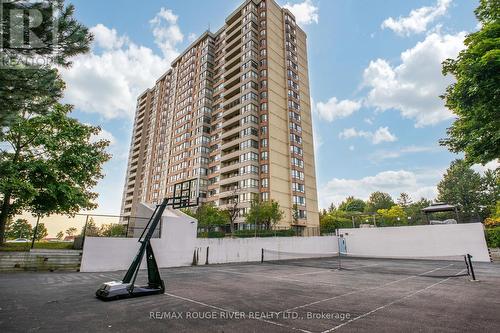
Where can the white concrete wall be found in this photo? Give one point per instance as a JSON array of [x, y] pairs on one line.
[[419, 241], [111, 254], [178, 243], [227, 250]]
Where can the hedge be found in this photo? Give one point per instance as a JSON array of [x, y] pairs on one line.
[[264, 233], [493, 237]]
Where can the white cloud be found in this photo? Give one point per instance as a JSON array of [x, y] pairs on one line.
[[414, 87], [493, 165], [107, 38], [382, 134], [417, 183], [381, 155], [418, 19], [167, 33], [108, 82], [305, 12], [335, 109]]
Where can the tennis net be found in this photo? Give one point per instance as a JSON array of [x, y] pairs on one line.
[[428, 266]]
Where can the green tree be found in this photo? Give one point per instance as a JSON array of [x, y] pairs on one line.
[[33, 88], [113, 230], [461, 186], [414, 211], [393, 216], [379, 200], [90, 229], [352, 204], [334, 220], [490, 191], [475, 97], [404, 200], [210, 217], [19, 229], [71, 231], [264, 213], [41, 232], [295, 214], [53, 163], [60, 235]]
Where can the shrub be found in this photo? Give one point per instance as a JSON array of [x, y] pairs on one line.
[[211, 234], [492, 222], [264, 233], [493, 237]]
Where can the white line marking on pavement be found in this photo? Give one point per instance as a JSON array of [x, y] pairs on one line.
[[389, 304], [366, 289], [233, 311]]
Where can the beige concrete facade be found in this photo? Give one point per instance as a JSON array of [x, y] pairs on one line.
[[232, 115]]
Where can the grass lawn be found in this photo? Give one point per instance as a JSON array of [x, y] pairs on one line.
[[24, 247]]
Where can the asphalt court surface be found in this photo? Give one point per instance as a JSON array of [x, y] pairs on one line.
[[255, 297]]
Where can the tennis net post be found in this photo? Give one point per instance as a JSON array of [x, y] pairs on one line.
[[469, 260]]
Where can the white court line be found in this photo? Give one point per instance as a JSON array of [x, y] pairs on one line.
[[360, 290], [327, 270], [280, 277], [232, 311], [389, 304]]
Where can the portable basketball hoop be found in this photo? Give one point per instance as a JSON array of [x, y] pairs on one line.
[[126, 288]]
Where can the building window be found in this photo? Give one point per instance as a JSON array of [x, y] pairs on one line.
[[264, 168]]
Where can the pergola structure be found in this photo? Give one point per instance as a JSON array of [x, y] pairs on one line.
[[440, 207]]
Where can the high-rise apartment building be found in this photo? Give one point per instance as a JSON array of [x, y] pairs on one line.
[[233, 115]]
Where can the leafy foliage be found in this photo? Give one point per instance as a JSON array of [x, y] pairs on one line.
[[33, 88], [352, 204], [210, 217], [113, 230], [493, 237], [334, 220], [379, 200], [40, 232], [71, 231], [475, 97], [465, 188], [396, 215], [53, 162], [264, 213], [60, 235], [404, 200], [19, 229]]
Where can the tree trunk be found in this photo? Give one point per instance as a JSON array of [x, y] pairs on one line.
[[4, 215]]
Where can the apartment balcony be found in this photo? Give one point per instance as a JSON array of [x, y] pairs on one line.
[[229, 194], [234, 130], [230, 156], [232, 55], [231, 113], [233, 34], [233, 20], [237, 62], [233, 166]]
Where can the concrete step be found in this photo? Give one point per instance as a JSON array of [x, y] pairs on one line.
[[40, 260]]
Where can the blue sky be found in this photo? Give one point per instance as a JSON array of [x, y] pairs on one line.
[[374, 73]]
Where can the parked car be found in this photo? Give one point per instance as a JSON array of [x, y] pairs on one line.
[[19, 240]]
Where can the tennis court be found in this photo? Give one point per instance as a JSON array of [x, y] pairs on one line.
[[309, 295]]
